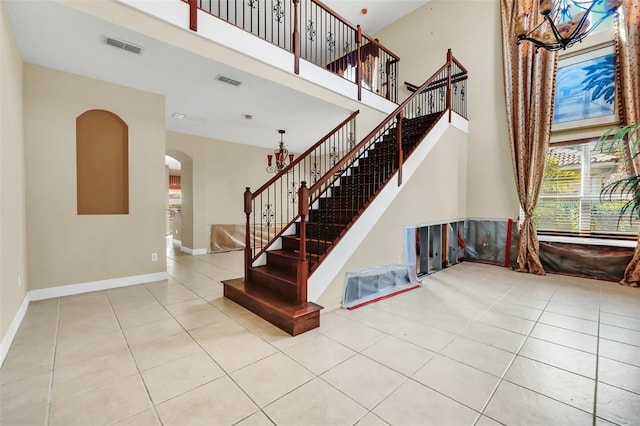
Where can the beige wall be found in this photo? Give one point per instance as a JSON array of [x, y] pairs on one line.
[[67, 248], [13, 237], [472, 30], [217, 173], [437, 191]]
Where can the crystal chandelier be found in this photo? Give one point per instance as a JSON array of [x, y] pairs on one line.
[[281, 156], [565, 22]]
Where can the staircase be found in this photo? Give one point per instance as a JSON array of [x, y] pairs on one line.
[[274, 285]]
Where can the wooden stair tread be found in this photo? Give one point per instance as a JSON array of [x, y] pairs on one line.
[[275, 272]]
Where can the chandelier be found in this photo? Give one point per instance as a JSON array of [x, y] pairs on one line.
[[565, 22], [281, 155]]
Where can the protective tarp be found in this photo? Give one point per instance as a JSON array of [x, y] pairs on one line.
[[490, 241], [368, 284], [585, 261], [226, 238]]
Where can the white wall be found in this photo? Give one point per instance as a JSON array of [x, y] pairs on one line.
[[472, 30], [13, 237], [67, 248]]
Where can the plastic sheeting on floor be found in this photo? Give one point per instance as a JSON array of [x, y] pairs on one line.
[[366, 285], [607, 263]]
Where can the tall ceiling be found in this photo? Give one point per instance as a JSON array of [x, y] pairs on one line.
[[53, 35]]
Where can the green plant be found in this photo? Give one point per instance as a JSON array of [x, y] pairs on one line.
[[626, 189]]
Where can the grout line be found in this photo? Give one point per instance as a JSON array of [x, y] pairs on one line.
[[53, 367], [595, 386], [153, 404], [504, 373]]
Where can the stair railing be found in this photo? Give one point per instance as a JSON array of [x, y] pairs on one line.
[[312, 31], [273, 208], [444, 91]]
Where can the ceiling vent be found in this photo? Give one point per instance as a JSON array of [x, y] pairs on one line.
[[228, 80], [123, 45]]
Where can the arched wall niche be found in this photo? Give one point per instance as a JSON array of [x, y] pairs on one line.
[[102, 163]]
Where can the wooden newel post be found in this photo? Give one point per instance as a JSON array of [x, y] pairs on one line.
[[296, 37], [400, 153], [193, 15], [359, 62], [303, 264], [247, 232], [449, 57]]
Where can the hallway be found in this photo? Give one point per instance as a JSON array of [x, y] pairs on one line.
[[475, 344]]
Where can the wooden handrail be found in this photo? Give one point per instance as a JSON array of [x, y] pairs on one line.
[[304, 154], [335, 14], [381, 47], [338, 166]]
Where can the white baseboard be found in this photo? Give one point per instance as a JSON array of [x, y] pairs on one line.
[[68, 290], [7, 339], [176, 243], [193, 252]]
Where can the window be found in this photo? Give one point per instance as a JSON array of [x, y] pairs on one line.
[[570, 199]]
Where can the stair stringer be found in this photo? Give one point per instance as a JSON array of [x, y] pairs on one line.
[[333, 263]]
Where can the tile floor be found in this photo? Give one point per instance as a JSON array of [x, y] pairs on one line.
[[475, 345]]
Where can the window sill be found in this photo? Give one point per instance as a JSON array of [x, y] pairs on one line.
[[587, 241]]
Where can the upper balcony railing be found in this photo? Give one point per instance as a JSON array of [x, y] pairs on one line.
[[314, 32]]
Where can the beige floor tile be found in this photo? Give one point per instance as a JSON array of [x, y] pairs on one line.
[[91, 372], [620, 352], [517, 311], [334, 319], [270, 378], [24, 394], [135, 317], [507, 322], [364, 380], [256, 419], [553, 382], [354, 335], [399, 355], [478, 355], [493, 336], [562, 336], [102, 405], [35, 416], [165, 349], [27, 360], [218, 333], [619, 374], [425, 336], [617, 405], [560, 356], [570, 323], [603, 422], [201, 318], [627, 307], [220, 402], [379, 319], [620, 321], [486, 421], [83, 349], [176, 377], [319, 353], [415, 404], [188, 307], [522, 300], [152, 331], [573, 311], [442, 320], [618, 334], [146, 418], [460, 382], [371, 420], [240, 351], [173, 294], [512, 404], [315, 404]]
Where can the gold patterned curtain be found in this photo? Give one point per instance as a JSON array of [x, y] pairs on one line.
[[529, 80], [628, 81]]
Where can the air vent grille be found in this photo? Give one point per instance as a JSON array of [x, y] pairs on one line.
[[123, 45], [228, 80]]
